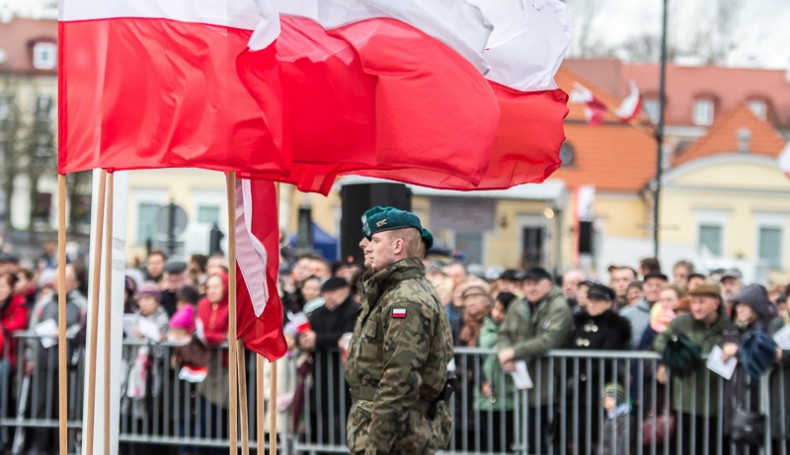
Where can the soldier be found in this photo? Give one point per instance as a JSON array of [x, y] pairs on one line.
[[397, 359]]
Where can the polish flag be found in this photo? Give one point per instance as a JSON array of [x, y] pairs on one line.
[[448, 93], [784, 160], [151, 84], [630, 106], [194, 374], [594, 109], [392, 89], [259, 311]]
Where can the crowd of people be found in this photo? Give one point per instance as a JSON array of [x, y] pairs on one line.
[[521, 314]]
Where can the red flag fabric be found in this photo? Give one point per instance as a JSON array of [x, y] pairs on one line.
[[259, 311]]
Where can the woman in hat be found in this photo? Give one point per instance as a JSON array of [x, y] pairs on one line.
[[597, 328], [752, 312]]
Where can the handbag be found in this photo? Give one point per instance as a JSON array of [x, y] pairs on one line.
[[748, 427], [659, 430]]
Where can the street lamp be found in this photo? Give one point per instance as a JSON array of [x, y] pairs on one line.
[[660, 129]]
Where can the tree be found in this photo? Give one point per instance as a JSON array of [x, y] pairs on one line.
[[10, 147], [39, 160], [586, 38]]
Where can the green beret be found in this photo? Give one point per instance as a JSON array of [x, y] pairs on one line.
[[380, 219], [427, 237]]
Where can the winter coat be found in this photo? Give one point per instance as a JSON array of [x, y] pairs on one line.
[[13, 317], [618, 433], [779, 389], [493, 375], [741, 390], [639, 317], [214, 318], [689, 392], [532, 331]]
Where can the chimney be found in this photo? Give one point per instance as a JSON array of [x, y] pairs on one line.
[[744, 135]]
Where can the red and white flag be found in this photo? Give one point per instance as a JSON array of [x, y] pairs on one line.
[[259, 311], [404, 81], [784, 160], [631, 105], [594, 109], [152, 84]]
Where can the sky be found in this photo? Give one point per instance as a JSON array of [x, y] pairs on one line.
[[763, 26]]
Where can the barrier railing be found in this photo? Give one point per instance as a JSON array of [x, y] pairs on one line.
[[562, 413]]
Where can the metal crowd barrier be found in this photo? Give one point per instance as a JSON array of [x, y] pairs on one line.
[[561, 414]]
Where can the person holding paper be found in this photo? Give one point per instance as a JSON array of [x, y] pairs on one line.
[[704, 326], [42, 362], [539, 322], [751, 311]]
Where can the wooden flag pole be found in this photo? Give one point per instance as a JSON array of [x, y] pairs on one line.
[[259, 423], [272, 409], [94, 312], [62, 397], [232, 379], [273, 372], [108, 250], [243, 415]]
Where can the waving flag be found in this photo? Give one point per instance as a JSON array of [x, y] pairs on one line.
[[631, 104], [408, 96], [259, 311], [594, 108], [151, 84]]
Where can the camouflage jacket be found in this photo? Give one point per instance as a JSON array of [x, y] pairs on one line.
[[401, 347]]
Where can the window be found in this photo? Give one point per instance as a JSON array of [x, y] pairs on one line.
[[45, 56], [703, 112], [710, 237], [146, 221], [652, 107], [567, 155], [769, 245], [208, 214], [769, 228], [759, 108]]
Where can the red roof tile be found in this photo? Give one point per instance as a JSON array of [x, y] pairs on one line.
[[722, 137], [16, 39]]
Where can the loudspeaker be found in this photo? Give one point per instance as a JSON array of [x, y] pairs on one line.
[[585, 237], [358, 198]]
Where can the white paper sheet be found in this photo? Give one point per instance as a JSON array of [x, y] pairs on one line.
[[718, 366], [782, 338], [48, 331], [521, 376]]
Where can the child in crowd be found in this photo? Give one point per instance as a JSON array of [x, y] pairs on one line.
[[618, 422]]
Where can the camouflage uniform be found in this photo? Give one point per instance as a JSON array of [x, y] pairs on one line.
[[398, 355]]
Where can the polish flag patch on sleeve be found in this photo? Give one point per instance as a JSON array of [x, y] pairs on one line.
[[399, 313]]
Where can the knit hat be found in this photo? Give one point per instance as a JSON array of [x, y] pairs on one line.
[[184, 318], [149, 289], [614, 390]]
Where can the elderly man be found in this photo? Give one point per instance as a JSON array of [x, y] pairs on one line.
[[696, 392], [327, 325], [539, 322], [397, 358]]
